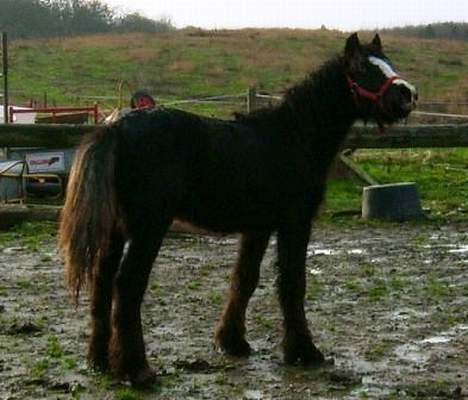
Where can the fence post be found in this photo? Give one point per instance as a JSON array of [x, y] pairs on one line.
[[5, 77], [251, 99], [96, 112]]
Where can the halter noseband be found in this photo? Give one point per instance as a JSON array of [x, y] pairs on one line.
[[375, 97]]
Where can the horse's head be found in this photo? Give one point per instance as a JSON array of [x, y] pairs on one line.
[[379, 92]]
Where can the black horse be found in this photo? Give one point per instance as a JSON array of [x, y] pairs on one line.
[[260, 173]]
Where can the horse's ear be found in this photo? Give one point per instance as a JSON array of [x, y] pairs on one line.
[[353, 46], [353, 53], [376, 42]]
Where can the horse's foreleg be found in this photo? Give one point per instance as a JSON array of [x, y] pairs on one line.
[[127, 348], [101, 304], [297, 341], [230, 331]]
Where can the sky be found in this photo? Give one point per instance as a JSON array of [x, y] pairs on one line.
[[347, 15]]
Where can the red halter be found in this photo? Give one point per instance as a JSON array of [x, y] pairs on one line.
[[375, 97]]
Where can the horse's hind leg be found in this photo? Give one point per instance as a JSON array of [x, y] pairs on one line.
[[231, 327], [101, 304], [127, 348], [297, 342]]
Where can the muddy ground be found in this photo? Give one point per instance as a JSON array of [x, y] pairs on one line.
[[387, 304]]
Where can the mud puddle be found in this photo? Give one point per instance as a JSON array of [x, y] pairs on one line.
[[387, 305]]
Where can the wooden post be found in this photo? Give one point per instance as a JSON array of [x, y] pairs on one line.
[[5, 76], [357, 170], [96, 113], [251, 99]]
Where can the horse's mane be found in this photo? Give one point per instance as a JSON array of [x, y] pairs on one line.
[[303, 98]]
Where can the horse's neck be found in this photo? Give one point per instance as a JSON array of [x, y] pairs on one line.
[[323, 109]]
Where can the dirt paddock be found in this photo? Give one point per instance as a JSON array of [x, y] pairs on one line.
[[387, 304]]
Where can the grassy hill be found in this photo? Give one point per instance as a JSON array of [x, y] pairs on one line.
[[193, 62]]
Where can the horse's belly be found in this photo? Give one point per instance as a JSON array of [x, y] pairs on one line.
[[234, 215]]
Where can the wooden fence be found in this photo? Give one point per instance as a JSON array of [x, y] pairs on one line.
[[53, 136]]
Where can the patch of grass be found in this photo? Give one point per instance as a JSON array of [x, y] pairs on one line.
[[376, 288], [215, 297], [55, 358], [194, 284], [354, 285], [128, 394], [69, 363], [54, 347], [24, 284], [46, 258], [436, 288], [221, 378], [31, 235], [314, 287], [368, 270], [420, 239], [207, 269], [438, 388], [441, 175], [7, 238], [378, 291], [397, 284], [265, 322], [344, 194], [449, 316], [156, 288], [104, 380], [377, 350], [40, 368]]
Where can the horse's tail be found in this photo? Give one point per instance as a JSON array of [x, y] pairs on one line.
[[90, 212]]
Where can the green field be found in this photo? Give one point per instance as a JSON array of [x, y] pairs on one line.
[[441, 176], [191, 63]]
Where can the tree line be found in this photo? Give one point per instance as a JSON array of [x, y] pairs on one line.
[[443, 30], [48, 18]]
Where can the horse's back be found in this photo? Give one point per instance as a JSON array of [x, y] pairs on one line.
[[221, 175]]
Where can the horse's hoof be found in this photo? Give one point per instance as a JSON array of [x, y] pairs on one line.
[[98, 364], [299, 349], [232, 344], [144, 378], [239, 349]]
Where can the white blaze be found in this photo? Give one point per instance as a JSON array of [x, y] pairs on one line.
[[388, 71]]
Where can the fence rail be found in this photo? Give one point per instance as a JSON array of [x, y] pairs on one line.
[[56, 111], [361, 137]]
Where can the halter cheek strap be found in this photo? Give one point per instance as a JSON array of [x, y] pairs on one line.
[[375, 97]]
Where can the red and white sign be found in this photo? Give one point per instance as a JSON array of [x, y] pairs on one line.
[[45, 162], [28, 118]]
